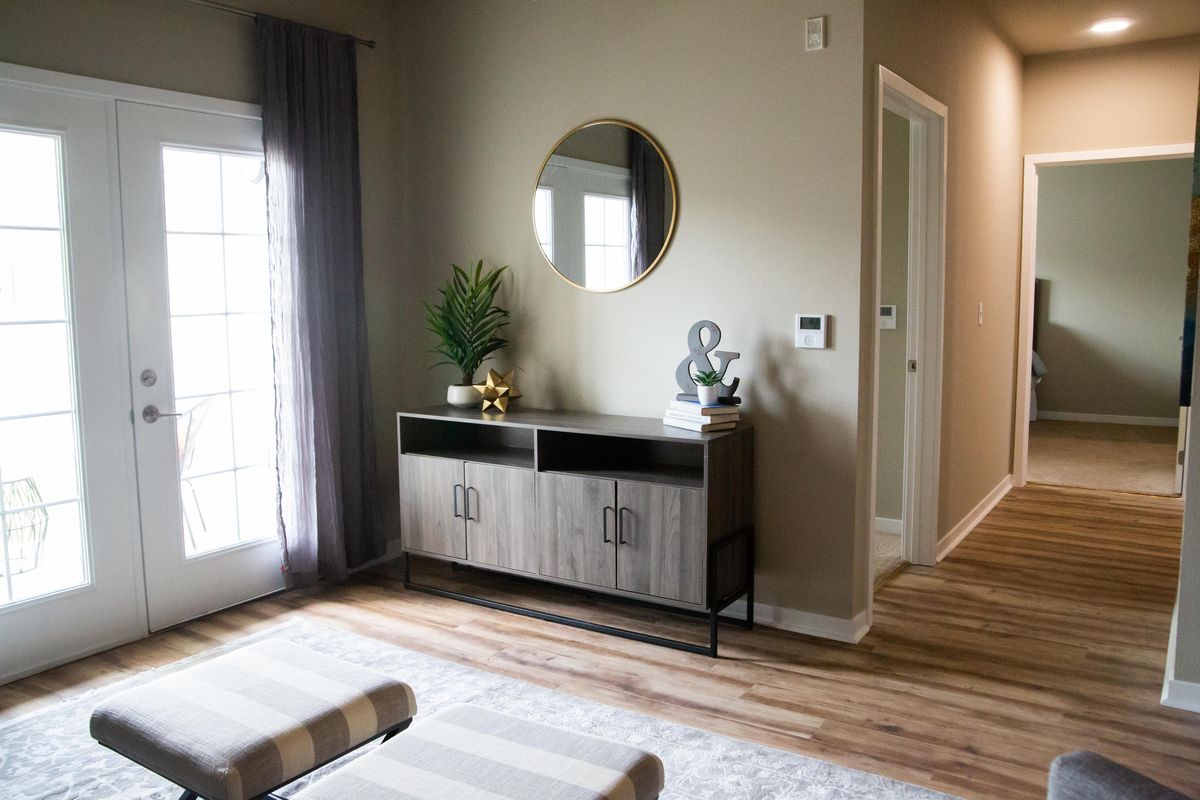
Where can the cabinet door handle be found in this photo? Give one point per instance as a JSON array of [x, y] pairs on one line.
[[457, 487], [604, 526], [468, 496], [621, 526]]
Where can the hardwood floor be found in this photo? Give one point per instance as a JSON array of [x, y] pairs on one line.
[[1044, 632]]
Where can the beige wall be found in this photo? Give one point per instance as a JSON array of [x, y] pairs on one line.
[[1142, 94], [1112, 259], [175, 45], [893, 344], [950, 50], [766, 142]]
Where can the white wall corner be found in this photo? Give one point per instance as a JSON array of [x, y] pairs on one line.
[[821, 626], [975, 516]]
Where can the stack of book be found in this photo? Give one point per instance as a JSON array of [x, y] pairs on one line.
[[692, 416]]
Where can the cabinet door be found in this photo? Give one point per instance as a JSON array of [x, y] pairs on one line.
[[431, 506], [502, 517], [577, 522], [662, 541]]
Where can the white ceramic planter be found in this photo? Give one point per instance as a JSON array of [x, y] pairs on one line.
[[707, 395], [462, 396]]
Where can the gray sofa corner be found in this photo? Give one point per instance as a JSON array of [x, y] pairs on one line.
[[1089, 776]]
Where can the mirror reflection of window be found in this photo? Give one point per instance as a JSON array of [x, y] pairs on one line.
[[606, 242], [543, 203], [604, 206]]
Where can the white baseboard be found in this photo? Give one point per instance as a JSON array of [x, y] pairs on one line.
[[887, 525], [967, 524], [1176, 693], [850, 631], [1183, 695], [1109, 419]]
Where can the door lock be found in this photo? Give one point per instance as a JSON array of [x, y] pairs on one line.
[[912, 365], [148, 377]]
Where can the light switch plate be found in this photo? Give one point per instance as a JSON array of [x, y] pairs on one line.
[[814, 34]]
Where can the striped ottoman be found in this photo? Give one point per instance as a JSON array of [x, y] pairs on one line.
[[245, 723], [469, 753]]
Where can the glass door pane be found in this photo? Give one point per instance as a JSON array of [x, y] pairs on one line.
[[215, 229], [42, 531]]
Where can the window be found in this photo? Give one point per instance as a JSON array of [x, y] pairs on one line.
[[42, 529], [543, 220], [221, 345], [606, 241]]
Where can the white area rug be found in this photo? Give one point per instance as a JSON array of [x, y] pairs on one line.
[[48, 754]]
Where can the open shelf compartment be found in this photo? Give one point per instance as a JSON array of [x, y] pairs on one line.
[[622, 458], [465, 441]]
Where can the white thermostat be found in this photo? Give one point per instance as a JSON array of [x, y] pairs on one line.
[[812, 330], [887, 318]]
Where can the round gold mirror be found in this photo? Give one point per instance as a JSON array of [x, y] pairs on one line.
[[604, 206]]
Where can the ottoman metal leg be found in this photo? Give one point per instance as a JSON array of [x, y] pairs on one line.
[[402, 726]]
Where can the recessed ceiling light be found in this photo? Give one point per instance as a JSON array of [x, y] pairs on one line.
[[1113, 25]]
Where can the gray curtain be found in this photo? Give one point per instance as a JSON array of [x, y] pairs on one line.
[[328, 513], [647, 229]]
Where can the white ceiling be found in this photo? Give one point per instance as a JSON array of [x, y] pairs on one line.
[[1051, 26]]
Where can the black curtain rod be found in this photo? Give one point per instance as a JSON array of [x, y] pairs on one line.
[[241, 12]]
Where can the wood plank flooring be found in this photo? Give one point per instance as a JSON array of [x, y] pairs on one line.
[[1045, 631]]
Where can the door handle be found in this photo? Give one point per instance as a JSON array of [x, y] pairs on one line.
[[468, 505], [604, 526], [621, 526], [152, 414], [457, 487]]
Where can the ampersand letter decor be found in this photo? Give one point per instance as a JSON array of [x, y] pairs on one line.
[[697, 360]]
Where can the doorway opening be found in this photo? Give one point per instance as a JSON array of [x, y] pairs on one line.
[[1101, 401], [910, 176]]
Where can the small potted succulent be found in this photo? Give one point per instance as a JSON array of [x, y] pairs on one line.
[[707, 386], [468, 325]]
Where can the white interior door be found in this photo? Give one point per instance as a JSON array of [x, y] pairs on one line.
[[194, 209], [70, 571]]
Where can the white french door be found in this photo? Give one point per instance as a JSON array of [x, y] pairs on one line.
[[137, 409], [70, 571], [193, 192]]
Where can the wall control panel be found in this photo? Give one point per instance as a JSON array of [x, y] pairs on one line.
[[814, 33], [812, 331], [887, 318]]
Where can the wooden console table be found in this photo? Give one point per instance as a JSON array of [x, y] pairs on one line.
[[621, 506]]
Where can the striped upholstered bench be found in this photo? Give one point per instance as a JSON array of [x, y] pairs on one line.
[[243, 724], [470, 753]]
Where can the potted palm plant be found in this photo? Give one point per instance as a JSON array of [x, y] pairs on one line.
[[468, 325]]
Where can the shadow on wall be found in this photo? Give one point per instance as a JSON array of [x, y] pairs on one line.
[[1098, 361], [800, 434], [1087, 376]]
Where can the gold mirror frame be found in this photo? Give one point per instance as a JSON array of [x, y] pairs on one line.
[[674, 201]]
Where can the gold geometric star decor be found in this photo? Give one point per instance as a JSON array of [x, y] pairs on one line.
[[498, 390]]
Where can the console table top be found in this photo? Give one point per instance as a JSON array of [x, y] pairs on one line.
[[574, 422]]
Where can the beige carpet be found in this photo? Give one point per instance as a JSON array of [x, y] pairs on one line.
[[1127, 458], [887, 557]]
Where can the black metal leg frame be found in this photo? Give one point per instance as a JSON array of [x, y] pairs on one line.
[[723, 590]]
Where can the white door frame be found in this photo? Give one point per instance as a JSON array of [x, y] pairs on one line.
[[926, 292], [1029, 216]]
